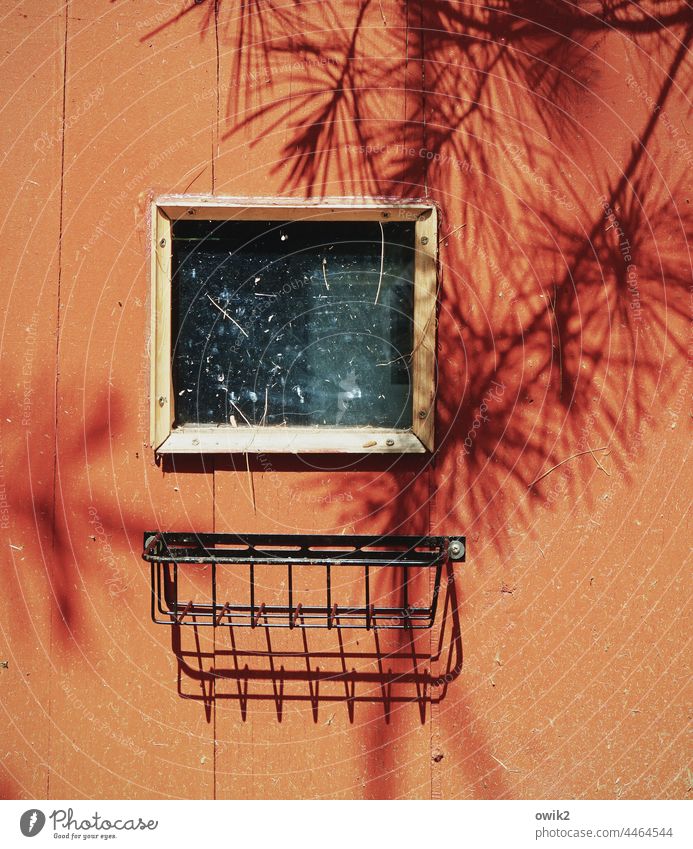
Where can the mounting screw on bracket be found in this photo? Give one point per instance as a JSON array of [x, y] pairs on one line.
[[456, 549], [162, 400]]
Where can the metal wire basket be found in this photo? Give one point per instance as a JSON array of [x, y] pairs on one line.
[[171, 554]]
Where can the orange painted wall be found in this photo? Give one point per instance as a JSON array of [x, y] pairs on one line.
[[556, 140]]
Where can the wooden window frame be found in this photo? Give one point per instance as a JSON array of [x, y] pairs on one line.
[[215, 439]]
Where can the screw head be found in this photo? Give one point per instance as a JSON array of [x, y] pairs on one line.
[[386, 214], [192, 211], [389, 442], [162, 243], [422, 414], [456, 549], [424, 240], [162, 400]]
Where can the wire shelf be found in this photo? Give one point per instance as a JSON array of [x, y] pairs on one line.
[[173, 556]]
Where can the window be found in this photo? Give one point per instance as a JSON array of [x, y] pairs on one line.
[[290, 327]]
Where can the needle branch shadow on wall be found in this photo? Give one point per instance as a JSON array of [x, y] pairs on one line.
[[582, 288], [584, 306], [64, 574], [564, 266]]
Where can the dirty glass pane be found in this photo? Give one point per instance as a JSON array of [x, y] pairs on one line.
[[276, 323]]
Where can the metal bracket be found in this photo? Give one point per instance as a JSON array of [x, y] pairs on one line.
[[170, 554]]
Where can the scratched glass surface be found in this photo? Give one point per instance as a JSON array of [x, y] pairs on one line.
[[293, 323]]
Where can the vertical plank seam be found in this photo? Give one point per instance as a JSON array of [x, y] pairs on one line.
[[56, 399], [215, 134], [431, 641], [214, 643], [434, 633], [423, 95], [215, 152], [405, 117]]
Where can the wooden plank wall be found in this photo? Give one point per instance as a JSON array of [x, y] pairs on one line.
[[556, 667]]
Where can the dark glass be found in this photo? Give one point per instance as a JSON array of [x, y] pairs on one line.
[[275, 323]]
